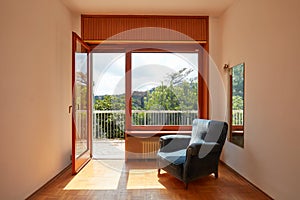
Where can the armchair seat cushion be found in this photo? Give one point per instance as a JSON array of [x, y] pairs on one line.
[[173, 162], [175, 157]]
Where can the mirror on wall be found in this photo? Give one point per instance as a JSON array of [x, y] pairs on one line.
[[237, 102]]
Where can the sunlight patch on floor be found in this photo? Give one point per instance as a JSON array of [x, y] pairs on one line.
[[143, 179], [97, 175]]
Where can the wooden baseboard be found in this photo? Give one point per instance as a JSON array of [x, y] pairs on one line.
[[51, 180], [239, 175]]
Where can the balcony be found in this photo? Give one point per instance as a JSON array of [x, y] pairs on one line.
[[109, 129], [111, 123]]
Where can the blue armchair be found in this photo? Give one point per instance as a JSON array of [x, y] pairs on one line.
[[190, 157]]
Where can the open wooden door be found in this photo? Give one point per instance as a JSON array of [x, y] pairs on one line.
[[81, 104]]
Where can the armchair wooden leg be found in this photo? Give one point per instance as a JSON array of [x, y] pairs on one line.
[[158, 172], [216, 175], [186, 185]]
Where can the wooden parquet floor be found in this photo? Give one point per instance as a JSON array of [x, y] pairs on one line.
[[115, 179]]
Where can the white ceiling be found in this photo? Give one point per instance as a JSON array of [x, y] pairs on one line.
[[149, 7]]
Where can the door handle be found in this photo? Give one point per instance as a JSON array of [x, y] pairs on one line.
[[70, 108]]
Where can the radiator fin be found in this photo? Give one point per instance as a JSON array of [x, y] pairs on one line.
[[150, 149]]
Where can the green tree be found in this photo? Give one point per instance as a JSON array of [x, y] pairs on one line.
[[237, 103], [162, 98], [238, 87], [110, 102], [187, 94], [238, 81], [181, 94]]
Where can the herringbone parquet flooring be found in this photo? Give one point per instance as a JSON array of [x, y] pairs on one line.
[[115, 179]]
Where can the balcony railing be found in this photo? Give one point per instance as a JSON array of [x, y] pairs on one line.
[[237, 117], [163, 117], [111, 123], [108, 123]]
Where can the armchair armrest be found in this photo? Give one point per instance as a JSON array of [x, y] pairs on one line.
[[203, 149], [169, 143]]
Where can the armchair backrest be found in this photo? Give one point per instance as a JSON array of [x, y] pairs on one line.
[[217, 132], [204, 130], [199, 130]]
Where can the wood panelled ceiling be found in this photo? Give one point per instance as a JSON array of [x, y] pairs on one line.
[[143, 28]]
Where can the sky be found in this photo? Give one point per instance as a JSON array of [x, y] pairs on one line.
[[148, 70]]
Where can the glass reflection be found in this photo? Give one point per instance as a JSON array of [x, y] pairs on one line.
[[237, 105], [81, 98]]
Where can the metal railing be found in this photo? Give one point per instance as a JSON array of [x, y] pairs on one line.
[[237, 117], [108, 123], [111, 123], [163, 117]]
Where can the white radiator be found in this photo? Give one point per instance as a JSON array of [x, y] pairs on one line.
[[150, 149]]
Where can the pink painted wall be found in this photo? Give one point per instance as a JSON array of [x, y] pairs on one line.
[[35, 87], [265, 35]]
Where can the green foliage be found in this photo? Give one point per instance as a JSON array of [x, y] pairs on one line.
[[237, 103], [162, 98], [238, 81], [110, 124], [237, 94], [187, 94], [138, 118], [181, 94], [137, 100], [110, 102], [238, 87]]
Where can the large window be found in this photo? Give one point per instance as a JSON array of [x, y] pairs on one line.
[[148, 89], [164, 89]]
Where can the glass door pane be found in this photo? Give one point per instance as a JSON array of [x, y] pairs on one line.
[[81, 139], [109, 105]]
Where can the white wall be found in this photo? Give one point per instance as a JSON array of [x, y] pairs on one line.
[[216, 80], [76, 23], [265, 35], [35, 87]]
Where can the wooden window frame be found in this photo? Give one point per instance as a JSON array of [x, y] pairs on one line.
[[202, 84], [129, 47]]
